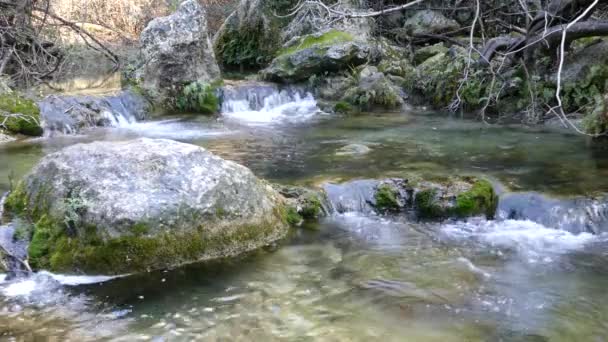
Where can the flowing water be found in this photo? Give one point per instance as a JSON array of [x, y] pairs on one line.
[[537, 273]]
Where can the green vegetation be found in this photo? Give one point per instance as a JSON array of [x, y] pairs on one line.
[[386, 198], [198, 97], [481, 199], [426, 204], [325, 40], [292, 216], [24, 115], [312, 207], [17, 201], [247, 48], [343, 107]]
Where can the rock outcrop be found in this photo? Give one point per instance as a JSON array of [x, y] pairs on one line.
[[121, 207], [250, 36], [176, 51]]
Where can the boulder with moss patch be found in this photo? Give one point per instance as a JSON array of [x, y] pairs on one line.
[[316, 54], [165, 204], [455, 198]]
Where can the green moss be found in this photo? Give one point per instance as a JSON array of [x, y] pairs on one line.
[[17, 201], [198, 97], [312, 207], [54, 249], [292, 216], [481, 199], [327, 39], [426, 204], [41, 243], [386, 198], [343, 107], [140, 229], [29, 122]]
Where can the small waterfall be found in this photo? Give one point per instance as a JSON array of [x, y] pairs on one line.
[[359, 196], [258, 102], [70, 114], [576, 215], [355, 196]]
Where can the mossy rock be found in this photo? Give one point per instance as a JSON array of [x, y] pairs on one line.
[[387, 198], [28, 122], [460, 198], [302, 203], [319, 54], [326, 39], [426, 52]]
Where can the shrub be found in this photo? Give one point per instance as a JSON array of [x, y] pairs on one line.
[[198, 97]]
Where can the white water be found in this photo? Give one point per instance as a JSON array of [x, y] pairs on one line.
[[170, 129], [532, 240], [42, 282], [280, 106]]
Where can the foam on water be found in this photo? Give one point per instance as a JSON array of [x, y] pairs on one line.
[[171, 129], [532, 239], [279, 106], [42, 282]]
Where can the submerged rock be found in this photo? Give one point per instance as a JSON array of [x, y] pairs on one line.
[[353, 150], [120, 207], [177, 51]]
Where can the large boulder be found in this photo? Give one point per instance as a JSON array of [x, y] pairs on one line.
[[177, 51], [317, 54], [121, 207]]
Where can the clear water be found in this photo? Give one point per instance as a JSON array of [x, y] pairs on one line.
[[350, 277]]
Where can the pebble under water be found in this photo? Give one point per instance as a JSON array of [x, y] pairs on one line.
[[353, 276]]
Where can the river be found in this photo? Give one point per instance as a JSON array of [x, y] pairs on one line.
[[351, 276]]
